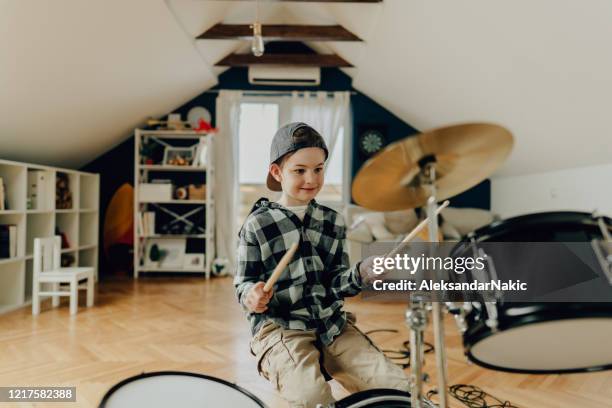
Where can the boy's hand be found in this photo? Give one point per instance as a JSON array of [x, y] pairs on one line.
[[257, 299], [366, 270]]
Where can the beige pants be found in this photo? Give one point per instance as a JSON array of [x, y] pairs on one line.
[[289, 359]]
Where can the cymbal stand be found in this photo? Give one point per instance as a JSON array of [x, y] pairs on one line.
[[416, 316]]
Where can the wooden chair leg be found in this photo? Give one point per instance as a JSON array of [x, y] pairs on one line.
[[74, 296], [90, 291], [35, 300], [55, 299]]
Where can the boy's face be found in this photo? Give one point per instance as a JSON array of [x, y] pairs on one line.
[[301, 174]]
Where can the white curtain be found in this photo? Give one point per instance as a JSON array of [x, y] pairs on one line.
[[226, 177], [326, 115]]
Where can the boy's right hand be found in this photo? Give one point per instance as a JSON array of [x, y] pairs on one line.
[[257, 299]]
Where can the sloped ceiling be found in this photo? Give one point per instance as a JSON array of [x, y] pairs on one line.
[[76, 77]]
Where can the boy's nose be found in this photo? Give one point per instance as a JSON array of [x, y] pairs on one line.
[[310, 177]]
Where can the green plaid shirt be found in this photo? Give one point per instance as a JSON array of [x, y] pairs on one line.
[[309, 294]]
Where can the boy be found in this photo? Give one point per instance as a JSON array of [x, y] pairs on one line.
[[299, 326]]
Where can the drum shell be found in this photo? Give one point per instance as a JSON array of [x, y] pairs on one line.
[[542, 227]]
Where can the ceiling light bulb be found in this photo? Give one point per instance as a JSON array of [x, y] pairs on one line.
[[257, 46]]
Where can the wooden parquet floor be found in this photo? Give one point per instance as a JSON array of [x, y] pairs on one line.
[[187, 324]]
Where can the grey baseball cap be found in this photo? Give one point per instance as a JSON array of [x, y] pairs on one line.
[[289, 138]]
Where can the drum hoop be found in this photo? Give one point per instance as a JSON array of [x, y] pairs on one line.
[[120, 384], [476, 361], [370, 395], [493, 229], [470, 340]]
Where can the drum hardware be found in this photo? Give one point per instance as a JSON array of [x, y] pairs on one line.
[[416, 318], [458, 314], [603, 247], [416, 172]]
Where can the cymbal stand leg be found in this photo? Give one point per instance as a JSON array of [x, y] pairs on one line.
[[437, 306], [416, 318]]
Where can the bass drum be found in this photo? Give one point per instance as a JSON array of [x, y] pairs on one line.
[[177, 389], [380, 397], [540, 337]]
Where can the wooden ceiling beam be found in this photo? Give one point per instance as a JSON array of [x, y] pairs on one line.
[[279, 32], [305, 60], [327, 1]]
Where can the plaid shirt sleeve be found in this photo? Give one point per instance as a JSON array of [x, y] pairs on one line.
[[249, 268], [345, 281]]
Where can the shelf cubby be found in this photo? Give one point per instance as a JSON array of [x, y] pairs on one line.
[[38, 226], [12, 284], [68, 223], [14, 186]]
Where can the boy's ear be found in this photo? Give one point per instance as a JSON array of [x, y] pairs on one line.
[[275, 170]]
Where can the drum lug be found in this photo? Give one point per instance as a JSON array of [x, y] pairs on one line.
[[491, 320]]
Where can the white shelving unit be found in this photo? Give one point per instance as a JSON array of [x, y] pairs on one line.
[[79, 223], [204, 237]]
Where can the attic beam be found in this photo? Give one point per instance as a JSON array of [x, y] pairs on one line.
[[272, 32], [305, 60], [325, 1]]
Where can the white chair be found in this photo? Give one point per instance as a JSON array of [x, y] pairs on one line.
[[47, 257]]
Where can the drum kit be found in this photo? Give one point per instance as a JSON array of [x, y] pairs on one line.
[[420, 171], [529, 337]]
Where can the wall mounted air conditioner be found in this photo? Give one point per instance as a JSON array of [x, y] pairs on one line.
[[284, 75]]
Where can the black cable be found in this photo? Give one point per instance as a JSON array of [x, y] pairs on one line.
[[470, 395], [401, 354], [475, 397]]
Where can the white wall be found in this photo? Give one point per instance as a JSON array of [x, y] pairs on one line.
[[579, 189]]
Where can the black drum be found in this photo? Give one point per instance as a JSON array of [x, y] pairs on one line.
[[177, 389], [380, 397], [540, 337]]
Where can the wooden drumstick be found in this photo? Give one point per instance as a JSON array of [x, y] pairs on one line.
[[282, 264], [416, 230]]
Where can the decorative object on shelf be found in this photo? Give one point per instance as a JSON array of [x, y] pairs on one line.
[[147, 149], [178, 156], [171, 252], [65, 242], [8, 241], [67, 260], [151, 192], [181, 193], [193, 261], [167, 125], [199, 157], [195, 114], [371, 139], [38, 190], [197, 191], [63, 195], [3, 203], [155, 255]]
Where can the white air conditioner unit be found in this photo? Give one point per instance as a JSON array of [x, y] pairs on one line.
[[284, 75]]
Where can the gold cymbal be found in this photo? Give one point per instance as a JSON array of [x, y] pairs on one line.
[[464, 156]]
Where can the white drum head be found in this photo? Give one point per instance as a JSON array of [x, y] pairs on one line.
[[561, 345], [163, 390]]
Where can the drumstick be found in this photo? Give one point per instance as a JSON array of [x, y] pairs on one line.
[[416, 230], [280, 267]]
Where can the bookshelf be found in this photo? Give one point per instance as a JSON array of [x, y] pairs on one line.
[[181, 227], [34, 213]]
